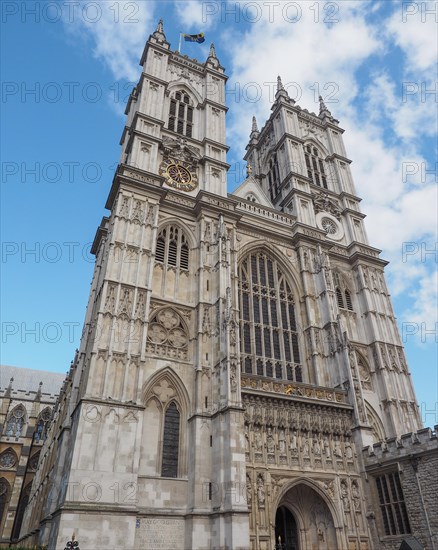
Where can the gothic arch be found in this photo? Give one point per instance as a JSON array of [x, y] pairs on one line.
[[188, 232], [174, 381], [272, 250], [177, 85], [365, 374], [312, 140], [159, 393], [5, 495], [16, 422], [375, 422], [314, 485]]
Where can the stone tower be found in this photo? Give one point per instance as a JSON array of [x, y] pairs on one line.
[[238, 350]]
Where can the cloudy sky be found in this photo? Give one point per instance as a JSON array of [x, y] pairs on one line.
[[68, 68]]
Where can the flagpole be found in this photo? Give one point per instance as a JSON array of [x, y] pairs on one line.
[[180, 41]]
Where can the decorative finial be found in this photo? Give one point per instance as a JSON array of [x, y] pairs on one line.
[[281, 92], [9, 388], [323, 111], [254, 128], [159, 33], [212, 51]]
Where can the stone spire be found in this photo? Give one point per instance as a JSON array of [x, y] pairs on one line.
[[9, 388], [323, 111], [212, 51], [212, 57], [255, 128], [159, 32], [38, 394], [281, 92]]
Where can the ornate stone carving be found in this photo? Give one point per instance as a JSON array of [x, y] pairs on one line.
[[167, 335], [261, 493], [8, 459], [324, 203]]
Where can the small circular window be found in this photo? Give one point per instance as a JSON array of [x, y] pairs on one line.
[[330, 225]]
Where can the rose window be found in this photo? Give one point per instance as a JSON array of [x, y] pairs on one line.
[[329, 226]]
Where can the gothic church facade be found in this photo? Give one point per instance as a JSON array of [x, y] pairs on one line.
[[240, 367]]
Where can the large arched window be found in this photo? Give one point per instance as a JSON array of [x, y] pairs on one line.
[[268, 328], [315, 166], [181, 114], [169, 463], [15, 423], [5, 495], [273, 177], [24, 500], [172, 248], [42, 425]]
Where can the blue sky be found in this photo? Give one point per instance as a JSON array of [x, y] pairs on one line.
[[373, 62]]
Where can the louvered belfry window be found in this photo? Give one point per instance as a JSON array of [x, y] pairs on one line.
[[172, 248], [315, 166], [268, 328], [181, 114], [169, 463]]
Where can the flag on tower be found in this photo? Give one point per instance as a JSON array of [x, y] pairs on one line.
[[199, 38]]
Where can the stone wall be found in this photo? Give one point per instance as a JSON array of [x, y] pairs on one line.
[[415, 457]]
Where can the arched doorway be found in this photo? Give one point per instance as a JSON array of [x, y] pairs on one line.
[[286, 531], [304, 519]]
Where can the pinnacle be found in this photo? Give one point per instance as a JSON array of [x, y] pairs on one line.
[[212, 51]]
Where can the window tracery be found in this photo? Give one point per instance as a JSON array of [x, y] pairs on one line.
[[273, 177], [315, 166], [181, 114], [8, 459], [42, 425], [15, 422], [167, 335], [5, 491], [268, 328], [172, 248]]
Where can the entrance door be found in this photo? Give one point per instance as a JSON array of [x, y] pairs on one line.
[[286, 532]]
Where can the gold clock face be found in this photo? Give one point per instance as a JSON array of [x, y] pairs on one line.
[[179, 175]]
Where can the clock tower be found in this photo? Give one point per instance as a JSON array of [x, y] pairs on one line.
[[176, 120]]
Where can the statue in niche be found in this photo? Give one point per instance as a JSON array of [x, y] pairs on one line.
[[305, 449], [248, 490], [282, 441], [337, 451], [246, 439], [344, 496], [355, 494], [261, 491], [326, 446], [293, 442], [270, 443], [316, 447], [258, 440], [348, 451]]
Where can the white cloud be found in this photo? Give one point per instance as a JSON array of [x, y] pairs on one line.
[[382, 132], [195, 15], [118, 31], [413, 28]]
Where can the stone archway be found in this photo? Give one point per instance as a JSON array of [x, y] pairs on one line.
[[305, 519]]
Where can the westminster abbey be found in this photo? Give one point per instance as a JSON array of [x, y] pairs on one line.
[[240, 382]]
